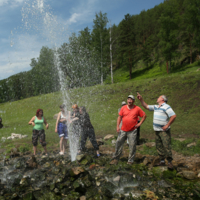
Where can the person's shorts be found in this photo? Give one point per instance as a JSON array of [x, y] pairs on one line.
[[38, 134], [62, 130]]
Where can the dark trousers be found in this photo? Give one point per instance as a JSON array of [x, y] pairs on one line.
[[88, 132]]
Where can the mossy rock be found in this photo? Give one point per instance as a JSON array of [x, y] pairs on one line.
[[91, 192], [72, 196]]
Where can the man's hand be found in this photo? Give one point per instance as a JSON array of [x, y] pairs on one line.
[[118, 129], [56, 130], [137, 125], [165, 127], [139, 96]]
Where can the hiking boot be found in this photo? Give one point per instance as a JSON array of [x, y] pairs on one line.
[[114, 162], [170, 166], [161, 164]]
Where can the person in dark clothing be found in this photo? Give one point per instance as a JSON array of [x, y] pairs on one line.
[[75, 121], [1, 125], [87, 131]]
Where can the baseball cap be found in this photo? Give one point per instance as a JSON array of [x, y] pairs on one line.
[[131, 96], [123, 103]]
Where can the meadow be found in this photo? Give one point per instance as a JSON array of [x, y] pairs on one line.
[[102, 103]]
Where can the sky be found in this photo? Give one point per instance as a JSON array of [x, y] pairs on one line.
[[27, 25]]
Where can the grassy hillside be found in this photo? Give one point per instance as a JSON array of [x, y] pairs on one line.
[[102, 102]]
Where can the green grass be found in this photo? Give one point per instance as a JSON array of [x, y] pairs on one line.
[[103, 101]]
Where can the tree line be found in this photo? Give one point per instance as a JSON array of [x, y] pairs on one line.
[[169, 33]]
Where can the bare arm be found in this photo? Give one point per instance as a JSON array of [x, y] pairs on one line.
[[58, 117], [47, 125], [142, 101], [31, 122], [171, 120], [141, 121], [119, 119]]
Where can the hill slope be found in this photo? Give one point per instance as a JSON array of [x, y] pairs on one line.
[[103, 102]]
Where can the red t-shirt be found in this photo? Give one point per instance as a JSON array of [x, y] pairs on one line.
[[130, 117]]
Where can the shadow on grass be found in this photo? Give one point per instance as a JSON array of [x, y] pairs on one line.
[[141, 72]]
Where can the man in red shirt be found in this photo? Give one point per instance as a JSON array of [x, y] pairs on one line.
[[129, 115]]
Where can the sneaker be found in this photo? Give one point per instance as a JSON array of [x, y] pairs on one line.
[[114, 162], [61, 153], [170, 166], [129, 163]]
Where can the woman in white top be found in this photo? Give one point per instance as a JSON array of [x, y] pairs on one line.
[[61, 128]]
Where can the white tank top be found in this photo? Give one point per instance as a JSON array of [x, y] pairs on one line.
[[63, 116]]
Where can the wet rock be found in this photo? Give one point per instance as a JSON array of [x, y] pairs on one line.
[[107, 137], [27, 196], [80, 157], [100, 141], [148, 160], [32, 162], [83, 198], [116, 179], [76, 171], [164, 184], [189, 175], [91, 192]]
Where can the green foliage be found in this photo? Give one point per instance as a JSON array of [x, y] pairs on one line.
[[24, 148]]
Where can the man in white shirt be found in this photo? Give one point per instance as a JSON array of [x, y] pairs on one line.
[[164, 116]]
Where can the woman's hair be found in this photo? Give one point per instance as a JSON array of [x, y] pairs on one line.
[[62, 106], [37, 112], [83, 109], [75, 106]]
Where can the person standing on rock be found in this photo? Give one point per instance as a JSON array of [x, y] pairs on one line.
[[164, 116], [61, 128], [87, 131], [129, 116], [38, 130]]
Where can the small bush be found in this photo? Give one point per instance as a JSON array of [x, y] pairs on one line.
[[24, 148]]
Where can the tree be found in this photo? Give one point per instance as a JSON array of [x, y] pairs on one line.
[[127, 41], [100, 40], [169, 31]]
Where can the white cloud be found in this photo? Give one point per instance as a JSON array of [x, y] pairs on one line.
[[18, 57], [83, 12]]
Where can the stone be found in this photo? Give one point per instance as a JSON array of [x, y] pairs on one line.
[[3, 139], [14, 135], [100, 141], [32, 162], [107, 137], [116, 179], [191, 144], [113, 141], [83, 198], [150, 144], [180, 139], [148, 160], [76, 171], [80, 157], [98, 183], [198, 69], [189, 175], [55, 116]]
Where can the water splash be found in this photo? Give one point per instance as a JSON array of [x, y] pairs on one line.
[[38, 18]]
